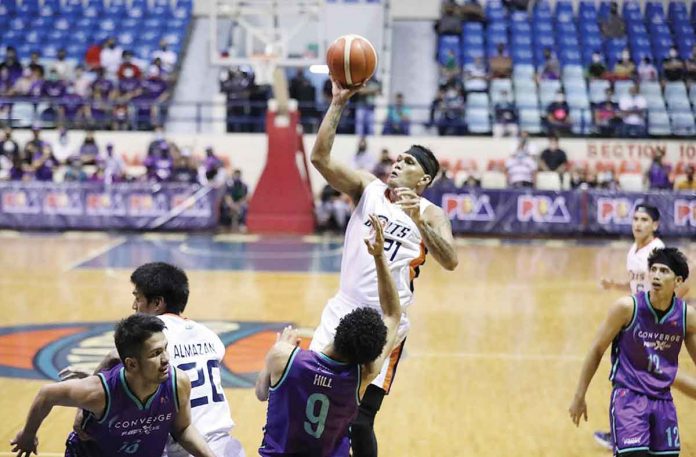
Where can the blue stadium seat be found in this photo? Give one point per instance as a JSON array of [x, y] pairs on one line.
[[683, 123], [530, 120], [136, 12], [154, 23], [581, 120], [478, 120], [569, 57], [92, 11], [75, 51], [107, 25], [86, 23], [523, 72], [522, 39], [478, 100], [658, 123], [526, 98], [100, 36], [521, 55], [598, 88], [543, 27]]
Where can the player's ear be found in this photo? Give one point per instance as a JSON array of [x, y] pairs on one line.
[[131, 363], [426, 179]]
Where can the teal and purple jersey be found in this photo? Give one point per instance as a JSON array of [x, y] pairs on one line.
[[645, 354], [311, 407], [129, 427]]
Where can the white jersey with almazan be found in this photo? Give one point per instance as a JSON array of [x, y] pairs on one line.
[[198, 351], [403, 247], [637, 265]]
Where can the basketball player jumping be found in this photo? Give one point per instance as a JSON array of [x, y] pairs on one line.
[[313, 396], [413, 226], [646, 332]]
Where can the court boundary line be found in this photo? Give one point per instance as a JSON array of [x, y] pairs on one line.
[[492, 355], [94, 253]]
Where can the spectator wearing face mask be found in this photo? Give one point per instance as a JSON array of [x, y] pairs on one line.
[[688, 183], [606, 115], [613, 26], [558, 115], [632, 108], [129, 87], [110, 56], [62, 150], [12, 64], [597, 69], [551, 69], [63, 67], [658, 175], [89, 151], [646, 70], [673, 67], [152, 98], [166, 56], [624, 68]]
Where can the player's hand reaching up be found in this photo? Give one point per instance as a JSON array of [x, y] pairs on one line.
[[25, 444], [578, 409], [409, 202], [289, 336], [375, 246], [341, 94]]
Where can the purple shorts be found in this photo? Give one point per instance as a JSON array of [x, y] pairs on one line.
[[75, 447], [640, 423]]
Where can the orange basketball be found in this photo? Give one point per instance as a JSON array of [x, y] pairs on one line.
[[351, 59]]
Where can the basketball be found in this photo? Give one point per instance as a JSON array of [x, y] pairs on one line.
[[352, 60]]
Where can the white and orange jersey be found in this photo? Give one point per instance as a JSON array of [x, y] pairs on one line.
[[198, 351], [637, 265], [403, 246]]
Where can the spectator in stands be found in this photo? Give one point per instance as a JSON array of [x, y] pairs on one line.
[[12, 64], [237, 85], [398, 121], [156, 66], [212, 170], [450, 23], [384, 165], [302, 90], [29, 85], [658, 175], [234, 203], [523, 145], [17, 172], [363, 159], [551, 69], [54, 88], [450, 70], [553, 158], [476, 76], [364, 102], [62, 150], [158, 141], [159, 164], [151, 101], [521, 166], [558, 115], [646, 70], [102, 93], [688, 183], [333, 210], [43, 163], [606, 179], [580, 178], [501, 64], [89, 151], [75, 173], [35, 144], [63, 67], [35, 63], [505, 115], [110, 56], [632, 109], [613, 25], [82, 82], [624, 68], [690, 67], [605, 115], [451, 117], [166, 56], [93, 56], [472, 11], [9, 148], [184, 171], [72, 109], [6, 84], [128, 89], [673, 67], [597, 69], [113, 166], [128, 69]]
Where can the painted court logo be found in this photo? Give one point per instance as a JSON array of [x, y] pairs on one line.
[[41, 351], [468, 207]]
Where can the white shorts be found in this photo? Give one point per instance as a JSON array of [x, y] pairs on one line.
[[335, 309], [222, 445]]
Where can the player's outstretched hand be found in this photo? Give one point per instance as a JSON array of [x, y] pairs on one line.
[[409, 202], [289, 335], [24, 445], [578, 409], [70, 372], [375, 246], [606, 283], [341, 94]]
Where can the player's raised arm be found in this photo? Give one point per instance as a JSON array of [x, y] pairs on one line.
[[184, 432], [620, 314], [85, 393], [388, 300], [276, 361], [339, 176]]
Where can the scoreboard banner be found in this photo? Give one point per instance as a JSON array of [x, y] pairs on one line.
[[585, 212], [133, 206]]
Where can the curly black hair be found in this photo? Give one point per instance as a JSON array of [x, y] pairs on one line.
[[360, 336], [673, 258], [133, 331], [159, 279]]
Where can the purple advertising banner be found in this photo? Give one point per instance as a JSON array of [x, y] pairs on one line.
[[136, 206], [529, 212]]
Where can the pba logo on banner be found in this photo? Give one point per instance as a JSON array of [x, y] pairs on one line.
[[194, 207], [468, 207], [615, 210], [685, 212], [542, 208], [104, 204], [62, 202], [20, 202], [140, 204]]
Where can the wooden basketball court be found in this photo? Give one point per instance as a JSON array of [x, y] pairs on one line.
[[492, 358]]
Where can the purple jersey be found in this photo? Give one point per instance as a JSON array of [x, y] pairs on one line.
[[645, 354], [127, 426], [311, 407]]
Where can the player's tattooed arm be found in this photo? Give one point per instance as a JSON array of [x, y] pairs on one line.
[[436, 231], [620, 315], [338, 175]]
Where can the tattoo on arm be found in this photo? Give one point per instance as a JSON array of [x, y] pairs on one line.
[[441, 249]]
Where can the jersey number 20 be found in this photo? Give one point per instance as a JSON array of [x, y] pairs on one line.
[[200, 380]]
